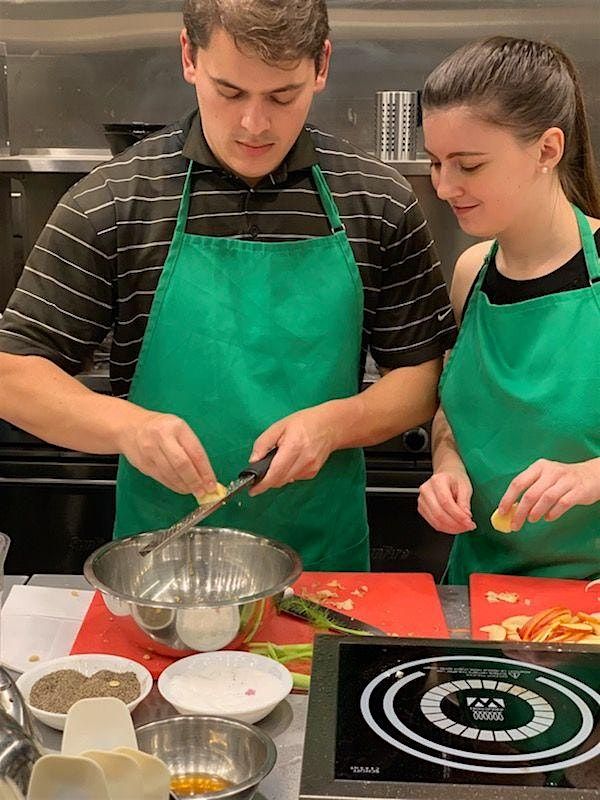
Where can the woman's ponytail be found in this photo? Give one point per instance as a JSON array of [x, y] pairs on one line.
[[578, 169]]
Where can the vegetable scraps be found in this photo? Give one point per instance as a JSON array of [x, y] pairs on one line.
[[556, 624]]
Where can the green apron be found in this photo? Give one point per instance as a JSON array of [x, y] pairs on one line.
[[241, 334], [523, 383]]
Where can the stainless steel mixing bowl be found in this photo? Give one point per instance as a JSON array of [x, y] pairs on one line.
[[215, 746], [204, 591]]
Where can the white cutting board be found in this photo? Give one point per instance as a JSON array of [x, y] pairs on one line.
[[39, 623]]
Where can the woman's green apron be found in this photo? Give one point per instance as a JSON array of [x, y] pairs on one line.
[[241, 334], [523, 383]]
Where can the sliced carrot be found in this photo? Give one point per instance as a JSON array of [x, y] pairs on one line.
[[540, 619]]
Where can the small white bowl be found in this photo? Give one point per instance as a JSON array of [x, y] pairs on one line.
[[87, 665], [226, 683]]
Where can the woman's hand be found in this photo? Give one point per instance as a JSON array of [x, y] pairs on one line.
[[550, 488], [445, 501]]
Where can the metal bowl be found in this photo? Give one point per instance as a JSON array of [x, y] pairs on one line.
[[121, 135], [225, 748], [204, 591]]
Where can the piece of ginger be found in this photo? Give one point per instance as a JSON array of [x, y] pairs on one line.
[[212, 497], [503, 522]]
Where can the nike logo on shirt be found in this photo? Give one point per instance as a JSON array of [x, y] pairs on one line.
[[443, 316]]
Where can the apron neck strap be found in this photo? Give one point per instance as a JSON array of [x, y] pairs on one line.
[[329, 205], [184, 205], [588, 243], [486, 262]]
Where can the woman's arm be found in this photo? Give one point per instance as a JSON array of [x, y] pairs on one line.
[[445, 499]]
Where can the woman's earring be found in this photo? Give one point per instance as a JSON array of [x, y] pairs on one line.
[[545, 170]]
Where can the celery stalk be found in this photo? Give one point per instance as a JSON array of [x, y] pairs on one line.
[[282, 653], [301, 681]]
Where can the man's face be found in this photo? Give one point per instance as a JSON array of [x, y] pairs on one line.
[[252, 112]]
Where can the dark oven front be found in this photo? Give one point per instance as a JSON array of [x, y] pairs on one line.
[[401, 540], [58, 506]]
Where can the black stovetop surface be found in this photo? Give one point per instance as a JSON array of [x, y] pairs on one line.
[[461, 714]]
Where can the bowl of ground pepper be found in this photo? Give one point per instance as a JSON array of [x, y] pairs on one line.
[[51, 688]]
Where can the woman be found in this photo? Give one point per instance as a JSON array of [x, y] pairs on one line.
[[519, 420]]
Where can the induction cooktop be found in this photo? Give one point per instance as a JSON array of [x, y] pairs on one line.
[[397, 718]]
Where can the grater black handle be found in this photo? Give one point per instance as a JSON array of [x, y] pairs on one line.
[[258, 469]]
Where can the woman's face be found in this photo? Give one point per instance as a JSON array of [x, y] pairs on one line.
[[488, 176]]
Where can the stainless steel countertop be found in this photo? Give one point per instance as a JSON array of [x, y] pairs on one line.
[[55, 159], [285, 724], [82, 160]]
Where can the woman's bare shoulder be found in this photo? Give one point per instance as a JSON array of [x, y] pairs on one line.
[[594, 223], [466, 270]]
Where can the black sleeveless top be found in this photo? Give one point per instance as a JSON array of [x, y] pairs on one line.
[[502, 291]]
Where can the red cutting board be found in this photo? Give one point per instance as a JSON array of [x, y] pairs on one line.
[[534, 594], [401, 604], [404, 604]]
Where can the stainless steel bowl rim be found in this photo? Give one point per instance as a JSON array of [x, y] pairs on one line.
[[270, 759], [294, 574]]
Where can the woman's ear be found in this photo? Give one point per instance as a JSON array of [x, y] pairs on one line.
[[551, 146]]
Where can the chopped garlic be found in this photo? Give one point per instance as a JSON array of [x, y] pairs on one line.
[[505, 597], [323, 593]]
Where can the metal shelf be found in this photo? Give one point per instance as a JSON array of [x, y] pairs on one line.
[[56, 159], [82, 160]]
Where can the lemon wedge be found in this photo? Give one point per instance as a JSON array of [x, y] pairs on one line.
[[212, 497], [503, 522]]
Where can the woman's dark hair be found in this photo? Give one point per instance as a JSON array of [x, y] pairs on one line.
[[527, 86]]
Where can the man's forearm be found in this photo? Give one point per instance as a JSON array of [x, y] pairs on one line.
[[43, 400], [400, 400]]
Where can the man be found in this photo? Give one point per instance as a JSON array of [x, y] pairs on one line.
[[246, 263]]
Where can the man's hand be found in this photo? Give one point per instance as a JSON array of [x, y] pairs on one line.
[[550, 488], [445, 501], [305, 440], [164, 447]]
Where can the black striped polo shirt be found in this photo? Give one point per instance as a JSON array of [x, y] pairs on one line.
[[97, 262]]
